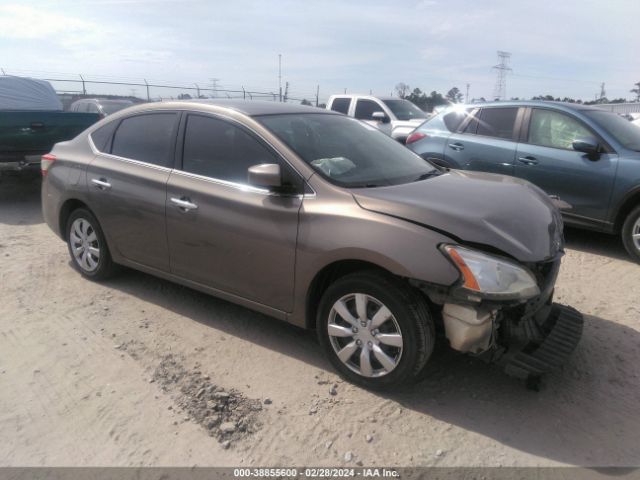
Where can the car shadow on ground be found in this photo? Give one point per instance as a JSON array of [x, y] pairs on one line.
[[20, 198], [586, 414], [597, 243]]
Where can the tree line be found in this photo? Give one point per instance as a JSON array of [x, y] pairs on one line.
[[454, 95]]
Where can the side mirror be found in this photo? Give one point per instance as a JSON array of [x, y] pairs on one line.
[[265, 175], [588, 145], [380, 117]]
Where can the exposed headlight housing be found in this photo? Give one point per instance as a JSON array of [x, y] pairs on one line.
[[491, 277]]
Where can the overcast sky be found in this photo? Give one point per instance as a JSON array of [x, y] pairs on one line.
[[561, 47]]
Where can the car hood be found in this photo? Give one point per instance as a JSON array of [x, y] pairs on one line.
[[505, 213]]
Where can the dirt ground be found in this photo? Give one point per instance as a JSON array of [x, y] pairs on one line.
[[109, 374]]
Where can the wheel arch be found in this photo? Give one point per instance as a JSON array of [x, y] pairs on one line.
[[326, 276], [631, 201], [68, 207]]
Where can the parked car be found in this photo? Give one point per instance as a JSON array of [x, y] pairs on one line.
[[586, 158], [32, 121], [101, 106], [320, 220], [394, 116]]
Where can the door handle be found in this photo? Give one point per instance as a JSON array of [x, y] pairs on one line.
[[528, 160], [184, 204], [456, 146], [101, 183]]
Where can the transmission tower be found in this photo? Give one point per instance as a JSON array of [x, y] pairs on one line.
[[603, 93], [502, 69]]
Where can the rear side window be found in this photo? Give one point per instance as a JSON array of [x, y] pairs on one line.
[[555, 129], [452, 120], [341, 105], [102, 136], [497, 122], [148, 138], [221, 150]]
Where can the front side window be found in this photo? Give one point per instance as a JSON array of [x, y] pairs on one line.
[[221, 150], [497, 122], [341, 105], [347, 152], [148, 138], [366, 108], [555, 129], [404, 109]]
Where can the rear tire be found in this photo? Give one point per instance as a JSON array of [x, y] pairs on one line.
[[376, 348], [631, 234], [87, 246]]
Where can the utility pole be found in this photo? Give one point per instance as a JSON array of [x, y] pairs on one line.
[[147, 84], [345, 91], [466, 98], [280, 74], [286, 91], [317, 94], [502, 69], [602, 92], [197, 89], [84, 90], [214, 86]]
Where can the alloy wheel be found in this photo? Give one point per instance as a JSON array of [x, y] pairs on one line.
[[365, 335], [635, 234], [84, 244]]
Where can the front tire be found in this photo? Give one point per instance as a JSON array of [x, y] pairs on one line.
[[87, 246], [631, 234], [375, 329]]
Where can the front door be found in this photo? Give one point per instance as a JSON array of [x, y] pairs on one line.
[[222, 232], [127, 186], [546, 158]]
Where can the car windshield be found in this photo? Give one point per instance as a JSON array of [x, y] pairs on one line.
[[404, 109], [112, 106], [346, 151], [625, 132]]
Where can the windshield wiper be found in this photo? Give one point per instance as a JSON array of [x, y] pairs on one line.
[[424, 176]]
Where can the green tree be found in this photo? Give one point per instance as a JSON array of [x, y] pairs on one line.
[[636, 91], [454, 95], [402, 89], [305, 102]]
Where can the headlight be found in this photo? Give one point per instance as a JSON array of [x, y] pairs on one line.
[[492, 277]]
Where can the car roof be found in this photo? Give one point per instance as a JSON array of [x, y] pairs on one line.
[[539, 103], [256, 107], [366, 96]]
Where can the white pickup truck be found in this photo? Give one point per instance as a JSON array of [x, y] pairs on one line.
[[394, 116]]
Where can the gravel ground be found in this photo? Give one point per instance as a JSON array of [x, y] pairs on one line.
[[139, 371]]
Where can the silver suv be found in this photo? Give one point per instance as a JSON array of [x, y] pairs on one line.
[[321, 221]]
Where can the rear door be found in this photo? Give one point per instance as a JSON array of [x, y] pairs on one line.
[[546, 158], [228, 235], [486, 141], [127, 185]]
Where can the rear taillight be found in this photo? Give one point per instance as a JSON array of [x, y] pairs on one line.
[[46, 162], [414, 137]]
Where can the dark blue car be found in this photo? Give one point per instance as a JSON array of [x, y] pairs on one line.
[[585, 157]]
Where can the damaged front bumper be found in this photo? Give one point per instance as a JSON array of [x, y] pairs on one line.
[[528, 338]]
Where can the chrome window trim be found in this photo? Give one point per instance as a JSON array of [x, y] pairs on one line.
[[239, 186], [124, 159], [245, 187]]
